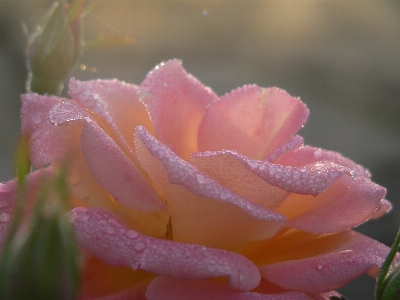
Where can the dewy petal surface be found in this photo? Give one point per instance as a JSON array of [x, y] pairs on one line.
[[202, 210], [347, 203], [314, 264], [99, 232], [324, 193], [116, 102], [229, 172], [167, 288], [108, 163], [306, 155], [251, 120], [48, 143], [176, 102]]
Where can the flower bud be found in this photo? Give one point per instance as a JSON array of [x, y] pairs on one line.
[[40, 261], [55, 47]]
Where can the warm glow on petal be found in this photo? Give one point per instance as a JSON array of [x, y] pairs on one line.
[[228, 171], [99, 232], [251, 120], [347, 203], [313, 264], [203, 211], [176, 102]]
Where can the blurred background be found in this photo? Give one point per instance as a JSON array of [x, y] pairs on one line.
[[342, 58]]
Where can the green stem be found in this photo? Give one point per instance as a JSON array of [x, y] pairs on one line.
[[43, 86]]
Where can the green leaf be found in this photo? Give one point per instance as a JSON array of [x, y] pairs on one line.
[[388, 281]]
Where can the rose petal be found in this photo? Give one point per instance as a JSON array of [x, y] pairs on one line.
[[99, 232], [115, 172], [384, 207], [116, 102], [311, 179], [167, 288], [202, 211], [347, 203], [104, 282], [107, 163], [48, 143], [293, 144], [229, 172], [252, 120], [318, 264], [176, 102], [306, 155]]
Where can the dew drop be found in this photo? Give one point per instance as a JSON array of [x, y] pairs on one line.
[[272, 171], [36, 134], [83, 96], [317, 154], [333, 174], [131, 234], [82, 218], [296, 175], [114, 223], [253, 165], [5, 217], [200, 179], [165, 84], [319, 267], [36, 120], [110, 230], [139, 246], [143, 95], [223, 195], [80, 209]]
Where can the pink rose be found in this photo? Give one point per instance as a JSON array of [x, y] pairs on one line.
[[180, 194]]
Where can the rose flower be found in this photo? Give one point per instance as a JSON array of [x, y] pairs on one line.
[[181, 194]]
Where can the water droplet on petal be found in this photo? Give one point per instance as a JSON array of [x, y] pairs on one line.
[[200, 179], [82, 218], [139, 246], [80, 210], [223, 195], [36, 134], [333, 174], [319, 267], [143, 95], [131, 234], [110, 230], [36, 120], [114, 223], [317, 154], [253, 165]]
